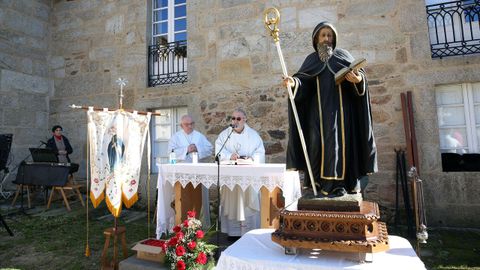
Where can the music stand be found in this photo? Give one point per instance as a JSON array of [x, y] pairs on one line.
[[5, 146], [43, 155]]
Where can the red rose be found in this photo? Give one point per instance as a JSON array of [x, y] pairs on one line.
[[185, 223], [181, 265], [180, 250], [191, 245], [179, 235], [199, 234], [191, 214], [201, 258], [177, 228], [133, 182], [172, 242]]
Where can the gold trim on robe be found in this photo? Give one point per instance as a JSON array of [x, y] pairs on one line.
[[322, 175]]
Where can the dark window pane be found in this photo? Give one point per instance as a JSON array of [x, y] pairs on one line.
[[180, 11], [180, 1], [180, 25], [181, 36], [160, 28], [160, 3], [161, 15], [163, 27]]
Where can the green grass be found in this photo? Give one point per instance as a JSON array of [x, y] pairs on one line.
[[59, 242], [455, 249]]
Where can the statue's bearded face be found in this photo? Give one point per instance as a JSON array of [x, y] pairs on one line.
[[324, 52], [325, 38]]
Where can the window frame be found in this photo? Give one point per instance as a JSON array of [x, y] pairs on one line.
[[471, 123], [171, 18], [175, 114]]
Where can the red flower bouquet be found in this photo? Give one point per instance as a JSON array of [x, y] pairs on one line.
[[185, 250]]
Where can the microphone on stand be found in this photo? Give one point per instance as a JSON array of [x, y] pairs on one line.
[[217, 159]]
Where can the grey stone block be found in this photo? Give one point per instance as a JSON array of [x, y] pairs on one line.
[[12, 80], [132, 263]]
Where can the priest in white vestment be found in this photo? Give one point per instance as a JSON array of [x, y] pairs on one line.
[[240, 210], [185, 143]]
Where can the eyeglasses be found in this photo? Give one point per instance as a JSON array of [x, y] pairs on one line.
[[189, 124], [236, 118]]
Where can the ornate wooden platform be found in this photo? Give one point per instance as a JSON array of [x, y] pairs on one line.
[[358, 231]]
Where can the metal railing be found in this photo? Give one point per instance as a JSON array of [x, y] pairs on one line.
[[167, 63], [454, 28]]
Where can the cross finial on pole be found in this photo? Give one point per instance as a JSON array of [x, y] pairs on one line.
[[122, 82]]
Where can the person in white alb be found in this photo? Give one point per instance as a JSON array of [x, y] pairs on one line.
[[186, 143], [240, 210]]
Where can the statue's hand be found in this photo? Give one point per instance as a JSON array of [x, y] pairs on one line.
[[288, 81], [353, 77]]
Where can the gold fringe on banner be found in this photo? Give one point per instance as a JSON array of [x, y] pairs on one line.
[[115, 211], [128, 203], [97, 201]]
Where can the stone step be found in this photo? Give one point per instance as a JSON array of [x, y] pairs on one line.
[[132, 263]]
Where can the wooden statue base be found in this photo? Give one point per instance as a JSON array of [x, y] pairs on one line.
[[346, 231]]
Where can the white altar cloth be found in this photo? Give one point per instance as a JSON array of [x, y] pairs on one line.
[[256, 251], [268, 175]]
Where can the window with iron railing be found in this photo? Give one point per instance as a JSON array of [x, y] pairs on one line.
[[167, 56], [454, 27]]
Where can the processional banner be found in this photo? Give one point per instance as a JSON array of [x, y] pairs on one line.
[[116, 140]]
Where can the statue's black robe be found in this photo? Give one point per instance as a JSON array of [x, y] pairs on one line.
[[339, 132]]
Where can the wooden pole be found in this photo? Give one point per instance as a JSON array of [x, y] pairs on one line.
[[73, 106]]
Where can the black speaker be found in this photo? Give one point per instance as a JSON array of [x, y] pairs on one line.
[[5, 145]]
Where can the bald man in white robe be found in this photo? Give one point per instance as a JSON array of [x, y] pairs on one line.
[[240, 210]]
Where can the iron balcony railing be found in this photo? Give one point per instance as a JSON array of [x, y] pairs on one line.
[[454, 28], [167, 63]]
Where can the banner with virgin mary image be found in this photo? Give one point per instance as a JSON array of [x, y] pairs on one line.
[[116, 140]]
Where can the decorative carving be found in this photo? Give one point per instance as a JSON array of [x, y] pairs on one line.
[[341, 231]]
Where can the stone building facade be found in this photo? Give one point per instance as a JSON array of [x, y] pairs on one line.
[[62, 52]]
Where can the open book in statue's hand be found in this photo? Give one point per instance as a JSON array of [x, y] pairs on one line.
[[357, 64]]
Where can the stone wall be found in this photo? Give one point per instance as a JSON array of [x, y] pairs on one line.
[[25, 84], [233, 63]]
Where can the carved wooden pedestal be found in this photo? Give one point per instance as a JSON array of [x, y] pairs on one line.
[[358, 231]]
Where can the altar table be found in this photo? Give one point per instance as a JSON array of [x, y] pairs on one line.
[[267, 178], [256, 250]]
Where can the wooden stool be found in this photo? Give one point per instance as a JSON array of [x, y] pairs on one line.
[[75, 188], [20, 189], [113, 264]]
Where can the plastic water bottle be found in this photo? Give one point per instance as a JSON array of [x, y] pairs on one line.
[[194, 157], [172, 157]]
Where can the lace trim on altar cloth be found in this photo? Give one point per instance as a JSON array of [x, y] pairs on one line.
[[269, 182]]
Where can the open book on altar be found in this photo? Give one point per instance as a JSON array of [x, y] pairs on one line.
[[356, 64], [240, 161]]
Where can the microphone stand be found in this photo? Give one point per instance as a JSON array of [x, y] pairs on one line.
[[217, 159]]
